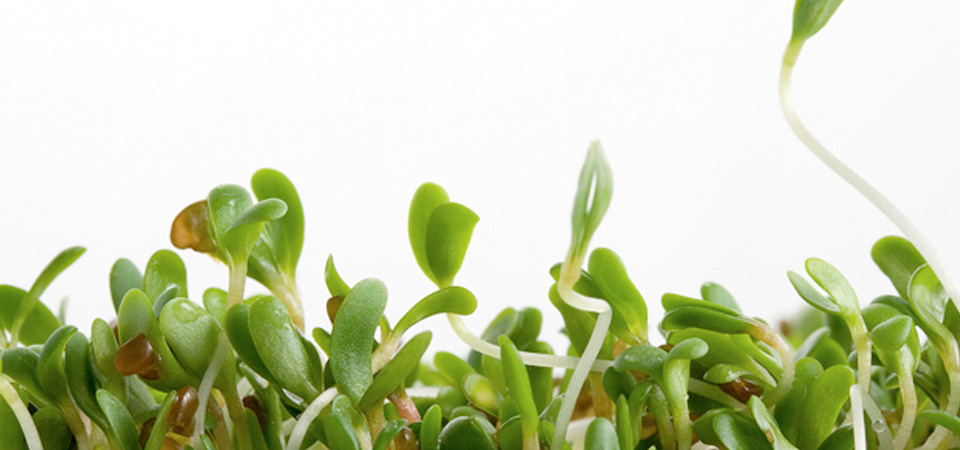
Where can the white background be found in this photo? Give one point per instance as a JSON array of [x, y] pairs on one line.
[[115, 116]]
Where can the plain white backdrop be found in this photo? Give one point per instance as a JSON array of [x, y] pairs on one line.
[[114, 116]]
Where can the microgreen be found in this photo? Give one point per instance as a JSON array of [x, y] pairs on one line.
[[235, 371]]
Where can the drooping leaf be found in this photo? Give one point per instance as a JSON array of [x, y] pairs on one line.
[[352, 336]]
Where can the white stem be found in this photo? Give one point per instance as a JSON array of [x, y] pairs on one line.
[[206, 385], [856, 408], [569, 273], [877, 421], [909, 395], [885, 206], [308, 416], [9, 394], [530, 359]]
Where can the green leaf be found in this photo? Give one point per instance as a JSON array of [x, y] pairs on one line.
[[541, 378], [518, 385], [50, 372], [715, 293], [704, 318], [430, 428], [734, 433], [629, 308], [466, 433], [160, 427], [825, 398], [335, 284], [396, 371], [39, 322], [136, 316], [834, 283], [692, 348], [811, 296], [80, 379], [124, 276], [624, 424], [617, 383], [27, 305], [448, 234], [454, 299], [529, 321], [673, 301], [122, 426], [601, 435], [163, 269], [892, 333], [285, 235], [279, 346], [898, 259], [340, 434], [10, 433], [481, 393], [928, 298], [451, 367], [215, 301], [584, 285], [644, 358], [594, 191], [725, 373], [578, 325], [352, 336], [809, 16], [769, 425], [942, 418], [192, 334], [237, 325], [163, 298], [389, 431], [427, 198], [20, 364], [103, 348], [53, 430]]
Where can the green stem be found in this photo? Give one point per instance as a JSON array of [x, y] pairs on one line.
[[658, 407], [29, 429], [676, 374], [785, 382], [238, 417], [908, 394], [75, 423], [238, 277], [951, 362]]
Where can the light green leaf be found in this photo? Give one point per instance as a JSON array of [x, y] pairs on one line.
[[335, 284], [481, 393], [811, 296], [39, 322], [352, 336], [601, 435], [594, 191], [898, 259], [518, 385], [451, 367], [707, 319], [285, 235], [427, 198], [629, 309], [825, 398], [715, 293], [449, 230], [430, 428], [164, 268], [50, 372], [769, 425], [454, 299], [644, 358], [809, 16], [122, 426], [192, 334], [834, 283]]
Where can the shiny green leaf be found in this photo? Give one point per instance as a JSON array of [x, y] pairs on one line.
[[541, 378], [466, 433], [898, 259], [715, 293], [704, 318], [451, 367], [834, 283], [80, 378], [624, 425], [352, 336], [481, 393], [215, 302], [733, 431], [135, 317], [811, 296], [192, 334], [643, 358], [825, 398], [942, 418], [389, 431], [430, 428], [335, 284], [769, 425], [601, 435], [50, 372], [518, 385]]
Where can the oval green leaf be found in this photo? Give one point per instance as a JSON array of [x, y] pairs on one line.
[[629, 308], [124, 276], [454, 299], [352, 336], [286, 233], [278, 343], [448, 234], [122, 426]]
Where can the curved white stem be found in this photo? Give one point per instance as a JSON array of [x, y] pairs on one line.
[[856, 407], [569, 273], [9, 394], [530, 359], [877, 421], [308, 416], [852, 178]]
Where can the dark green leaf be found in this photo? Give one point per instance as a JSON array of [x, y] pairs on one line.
[[192, 334], [20, 364], [942, 418], [340, 434], [10, 433], [124, 276], [352, 336], [237, 326], [163, 298], [466, 433], [734, 433], [53, 430]]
